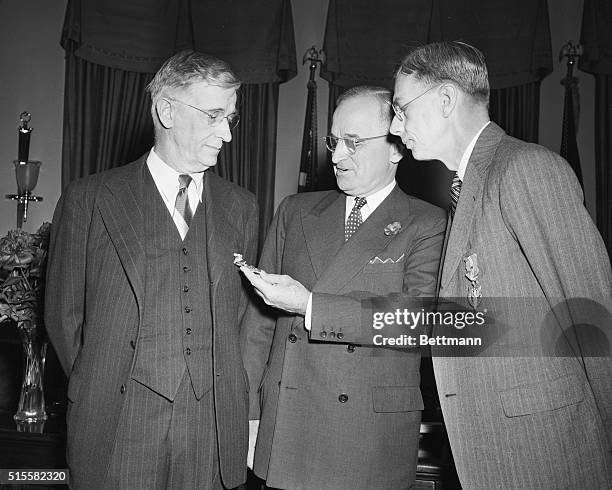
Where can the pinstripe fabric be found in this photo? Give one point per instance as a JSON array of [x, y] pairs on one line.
[[526, 423], [309, 438], [95, 310]]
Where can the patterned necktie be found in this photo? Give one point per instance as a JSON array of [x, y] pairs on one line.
[[455, 190], [182, 199], [354, 220]]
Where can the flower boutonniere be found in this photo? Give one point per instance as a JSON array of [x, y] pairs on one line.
[[393, 228]]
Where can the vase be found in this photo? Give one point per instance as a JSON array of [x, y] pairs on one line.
[[31, 408]]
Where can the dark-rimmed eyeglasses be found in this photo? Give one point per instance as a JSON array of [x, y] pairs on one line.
[[352, 144], [214, 118], [399, 111]]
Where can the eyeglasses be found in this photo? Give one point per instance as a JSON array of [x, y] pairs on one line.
[[399, 111], [215, 118], [352, 144]]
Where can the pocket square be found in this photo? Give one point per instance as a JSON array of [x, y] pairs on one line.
[[388, 260]]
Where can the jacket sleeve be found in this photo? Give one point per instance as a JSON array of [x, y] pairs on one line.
[[65, 288]]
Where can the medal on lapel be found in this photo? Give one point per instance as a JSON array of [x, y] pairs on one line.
[[471, 272]]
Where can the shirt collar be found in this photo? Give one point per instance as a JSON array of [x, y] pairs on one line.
[[372, 201], [166, 178], [468, 153]]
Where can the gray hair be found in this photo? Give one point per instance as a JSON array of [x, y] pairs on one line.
[[188, 67], [454, 61], [381, 94]]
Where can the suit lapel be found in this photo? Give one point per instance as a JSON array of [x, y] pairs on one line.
[[367, 242], [469, 200], [323, 228], [221, 227], [121, 207]]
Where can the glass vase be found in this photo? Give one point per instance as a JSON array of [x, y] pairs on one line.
[[31, 406]]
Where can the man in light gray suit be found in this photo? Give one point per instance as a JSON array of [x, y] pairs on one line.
[[517, 228], [144, 304]]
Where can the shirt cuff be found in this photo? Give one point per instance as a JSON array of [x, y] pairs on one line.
[[308, 316]]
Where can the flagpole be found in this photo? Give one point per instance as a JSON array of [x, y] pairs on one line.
[[308, 159]]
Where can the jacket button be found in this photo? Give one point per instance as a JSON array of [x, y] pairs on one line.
[[187, 309], [292, 338], [186, 288], [188, 351], [132, 344], [350, 348], [185, 251], [188, 331], [332, 335], [122, 389], [340, 335], [343, 398], [186, 268], [323, 334]]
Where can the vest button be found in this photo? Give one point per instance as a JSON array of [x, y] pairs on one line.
[[132, 344], [186, 268], [186, 288], [292, 338], [343, 398], [187, 309], [188, 351], [185, 251], [188, 331], [350, 348], [122, 389]]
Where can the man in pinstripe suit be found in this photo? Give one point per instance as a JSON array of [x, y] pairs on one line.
[[144, 304], [517, 230]]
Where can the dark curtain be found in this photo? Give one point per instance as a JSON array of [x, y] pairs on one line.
[[517, 110], [596, 40], [603, 156], [107, 122]]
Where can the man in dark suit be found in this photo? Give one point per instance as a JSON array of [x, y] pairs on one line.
[[517, 229], [336, 412], [144, 304]]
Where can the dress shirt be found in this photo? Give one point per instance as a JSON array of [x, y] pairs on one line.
[[166, 180]]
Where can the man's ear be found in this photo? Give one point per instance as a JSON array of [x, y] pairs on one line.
[[449, 95], [395, 153], [164, 112]]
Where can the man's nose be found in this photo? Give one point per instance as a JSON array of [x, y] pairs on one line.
[[340, 153], [396, 126], [224, 131]]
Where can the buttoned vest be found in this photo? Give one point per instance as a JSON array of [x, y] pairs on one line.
[[176, 330]]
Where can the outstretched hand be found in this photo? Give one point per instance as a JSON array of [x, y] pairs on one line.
[[280, 291]]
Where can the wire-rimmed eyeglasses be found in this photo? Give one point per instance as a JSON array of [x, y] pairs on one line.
[[399, 111], [214, 118], [351, 143]]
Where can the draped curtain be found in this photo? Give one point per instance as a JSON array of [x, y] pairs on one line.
[[114, 47], [596, 40]]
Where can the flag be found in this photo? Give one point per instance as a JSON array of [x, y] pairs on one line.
[[308, 159]]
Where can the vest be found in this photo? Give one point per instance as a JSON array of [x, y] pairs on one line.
[[176, 330]]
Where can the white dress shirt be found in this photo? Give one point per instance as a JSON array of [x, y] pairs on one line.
[[372, 202], [167, 182]]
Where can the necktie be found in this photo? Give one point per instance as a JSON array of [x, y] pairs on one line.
[[354, 220], [182, 199], [455, 190]]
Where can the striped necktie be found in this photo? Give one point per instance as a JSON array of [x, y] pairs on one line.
[[182, 199], [354, 220], [455, 190]]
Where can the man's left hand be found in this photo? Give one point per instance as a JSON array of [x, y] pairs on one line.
[[280, 291]]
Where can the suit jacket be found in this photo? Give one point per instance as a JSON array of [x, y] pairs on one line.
[[334, 414], [94, 308], [538, 421]]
